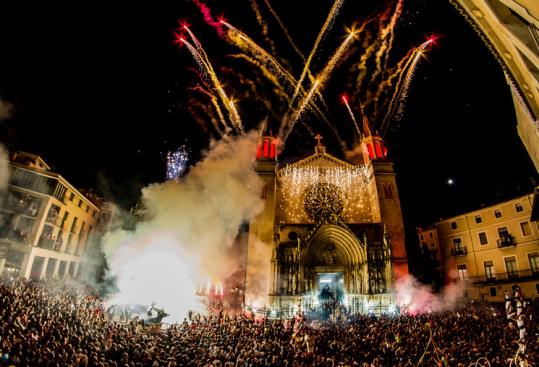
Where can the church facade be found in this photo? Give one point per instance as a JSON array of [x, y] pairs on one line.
[[327, 224]]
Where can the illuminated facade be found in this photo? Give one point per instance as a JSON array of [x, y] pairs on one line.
[[510, 28], [46, 225], [326, 223], [491, 249]]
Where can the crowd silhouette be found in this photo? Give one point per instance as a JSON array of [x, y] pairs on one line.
[[59, 325]]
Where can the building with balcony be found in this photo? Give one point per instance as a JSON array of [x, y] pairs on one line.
[[46, 224], [492, 248]]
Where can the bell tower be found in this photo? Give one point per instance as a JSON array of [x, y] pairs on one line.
[[375, 154], [260, 240]]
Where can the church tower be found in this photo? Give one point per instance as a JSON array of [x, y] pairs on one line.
[[260, 240], [375, 152]]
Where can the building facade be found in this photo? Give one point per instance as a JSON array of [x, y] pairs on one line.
[[510, 28], [491, 249], [326, 224], [46, 224]]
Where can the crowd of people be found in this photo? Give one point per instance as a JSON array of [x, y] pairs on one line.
[[54, 325]]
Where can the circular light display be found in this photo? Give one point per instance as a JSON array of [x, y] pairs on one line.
[[323, 199]]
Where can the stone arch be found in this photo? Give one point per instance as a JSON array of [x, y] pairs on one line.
[[348, 247]]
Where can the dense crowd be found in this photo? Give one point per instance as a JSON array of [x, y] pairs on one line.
[[45, 324]]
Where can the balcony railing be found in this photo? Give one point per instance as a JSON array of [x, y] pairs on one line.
[[459, 251], [506, 240], [521, 275]]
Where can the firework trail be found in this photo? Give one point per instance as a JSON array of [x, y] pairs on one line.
[[278, 88], [386, 38], [327, 24], [362, 67], [319, 83], [396, 103], [284, 29], [271, 64], [263, 25], [384, 85], [207, 68], [246, 43], [295, 47], [215, 104], [299, 111], [345, 100], [208, 17]]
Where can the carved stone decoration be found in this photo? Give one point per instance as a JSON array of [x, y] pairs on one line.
[[322, 200]]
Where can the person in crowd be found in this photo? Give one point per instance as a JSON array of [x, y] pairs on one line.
[[57, 325]]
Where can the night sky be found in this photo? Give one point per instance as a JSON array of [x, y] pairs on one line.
[[99, 90]]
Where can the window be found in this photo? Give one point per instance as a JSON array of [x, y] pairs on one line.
[[457, 244], [263, 191], [519, 208], [71, 197], [74, 225], [388, 191], [493, 291], [461, 270], [478, 219], [511, 266], [526, 229], [64, 219], [489, 270], [54, 212], [534, 262], [537, 288], [80, 203], [498, 213], [453, 225], [87, 208], [483, 240], [422, 237], [502, 231], [430, 234]]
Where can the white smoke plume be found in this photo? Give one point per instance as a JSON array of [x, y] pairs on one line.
[[416, 298], [257, 289], [189, 227]]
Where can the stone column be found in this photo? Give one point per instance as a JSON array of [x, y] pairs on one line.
[[44, 268], [55, 271], [26, 266]]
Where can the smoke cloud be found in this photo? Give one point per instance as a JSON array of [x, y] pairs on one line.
[[188, 230], [416, 298]]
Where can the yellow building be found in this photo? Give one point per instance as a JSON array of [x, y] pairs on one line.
[[491, 249], [510, 28], [46, 225]]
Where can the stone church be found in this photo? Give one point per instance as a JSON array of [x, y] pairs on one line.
[[327, 223]]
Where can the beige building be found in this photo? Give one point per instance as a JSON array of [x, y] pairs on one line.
[[491, 249], [510, 28], [46, 224]]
